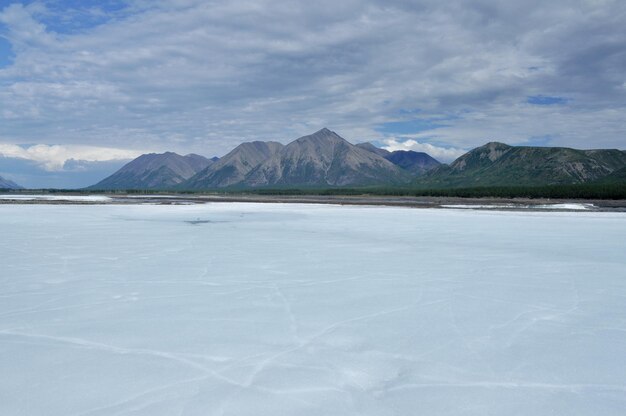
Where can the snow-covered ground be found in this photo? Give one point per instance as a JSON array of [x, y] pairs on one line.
[[562, 207], [267, 309], [69, 198]]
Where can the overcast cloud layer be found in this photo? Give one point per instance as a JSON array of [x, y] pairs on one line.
[[202, 76]]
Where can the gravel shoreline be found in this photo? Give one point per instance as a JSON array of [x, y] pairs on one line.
[[508, 204]]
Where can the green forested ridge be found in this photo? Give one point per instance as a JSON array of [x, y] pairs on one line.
[[498, 164], [577, 191], [616, 190]]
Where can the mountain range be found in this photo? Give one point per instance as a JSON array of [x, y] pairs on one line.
[[324, 159], [7, 184]]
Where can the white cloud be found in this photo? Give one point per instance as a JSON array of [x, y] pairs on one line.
[[54, 157], [442, 154]]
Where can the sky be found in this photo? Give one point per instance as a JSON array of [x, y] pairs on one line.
[[87, 85]]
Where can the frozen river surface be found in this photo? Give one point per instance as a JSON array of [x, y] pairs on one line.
[[262, 309]]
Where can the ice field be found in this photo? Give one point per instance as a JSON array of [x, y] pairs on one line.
[[269, 309]]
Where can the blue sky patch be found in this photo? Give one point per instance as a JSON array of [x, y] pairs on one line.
[[409, 126], [73, 16], [545, 100], [6, 53]]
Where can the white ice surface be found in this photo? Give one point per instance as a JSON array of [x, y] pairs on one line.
[[72, 198], [265, 309], [142, 196], [568, 206]]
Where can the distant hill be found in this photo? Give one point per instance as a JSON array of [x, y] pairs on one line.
[[324, 159], [416, 163], [232, 169], [154, 171], [498, 164], [7, 184]]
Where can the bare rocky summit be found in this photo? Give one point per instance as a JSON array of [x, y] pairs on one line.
[[233, 168], [325, 159], [155, 171]]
